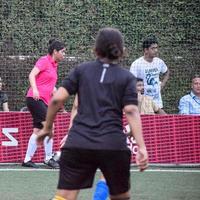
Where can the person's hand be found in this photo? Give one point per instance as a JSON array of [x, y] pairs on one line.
[[36, 94], [42, 134], [62, 142], [142, 159]]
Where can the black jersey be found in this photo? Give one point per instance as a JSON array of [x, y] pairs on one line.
[[103, 91]]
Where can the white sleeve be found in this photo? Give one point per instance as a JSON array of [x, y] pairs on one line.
[[133, 69], [163, 67]]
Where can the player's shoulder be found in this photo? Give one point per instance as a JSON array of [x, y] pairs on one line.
[[140, 59], [137, 62], [43, 58], [123, 70], [125, 75], [186, 97], [42, 61], [87, 64]]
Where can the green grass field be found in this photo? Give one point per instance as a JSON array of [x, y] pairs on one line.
[[167, 184]]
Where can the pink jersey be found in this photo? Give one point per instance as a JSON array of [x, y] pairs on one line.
[[46, 79]]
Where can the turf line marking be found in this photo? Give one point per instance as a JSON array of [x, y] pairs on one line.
[[170, 170], [24, 170], [132, 170]]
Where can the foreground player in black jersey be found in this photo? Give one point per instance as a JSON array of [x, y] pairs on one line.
[[96, 138]]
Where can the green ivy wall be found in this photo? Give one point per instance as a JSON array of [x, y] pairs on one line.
[[26, 27]]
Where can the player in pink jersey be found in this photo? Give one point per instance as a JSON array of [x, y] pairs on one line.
[[43, 78]]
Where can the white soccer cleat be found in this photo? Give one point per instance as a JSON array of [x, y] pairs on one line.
[[56, 156]]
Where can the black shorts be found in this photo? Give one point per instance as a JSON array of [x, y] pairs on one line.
[[38, 110], [78, 168]]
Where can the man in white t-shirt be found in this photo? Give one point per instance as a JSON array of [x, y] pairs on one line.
[[149, 68]]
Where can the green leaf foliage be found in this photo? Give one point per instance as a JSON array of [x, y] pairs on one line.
[[27, 26]]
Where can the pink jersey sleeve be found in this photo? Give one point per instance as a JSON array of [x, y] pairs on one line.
[[41, 63]]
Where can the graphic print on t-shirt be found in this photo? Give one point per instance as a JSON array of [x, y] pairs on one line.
[[152, 82]]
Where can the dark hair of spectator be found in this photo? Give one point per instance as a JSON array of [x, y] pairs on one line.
[[139, 79], [55, 44], [109, 43], [149, 41], [196, 76]]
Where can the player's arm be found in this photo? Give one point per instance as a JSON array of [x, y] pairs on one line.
[[72, 116], [56, 102], [156, 108], [5, 103], [34, 72], [165, 78], [161, 111], [73, 111], [133, 117], [5, 106]]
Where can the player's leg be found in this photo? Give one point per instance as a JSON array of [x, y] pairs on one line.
[[101, 191], [77, 171], [38, 112], [66, 195], [115, 167], [48, 147], [31, 149]]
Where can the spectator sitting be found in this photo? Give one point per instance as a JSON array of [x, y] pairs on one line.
[[3, 98], [190, 103], [146, 105]]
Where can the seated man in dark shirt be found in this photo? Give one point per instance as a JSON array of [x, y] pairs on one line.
[[3, 98]]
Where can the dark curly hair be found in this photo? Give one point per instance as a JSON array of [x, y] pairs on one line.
[[149, 41], [109, 43]]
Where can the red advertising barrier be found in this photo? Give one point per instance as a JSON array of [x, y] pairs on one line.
[[170, 139], [15, 130]]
